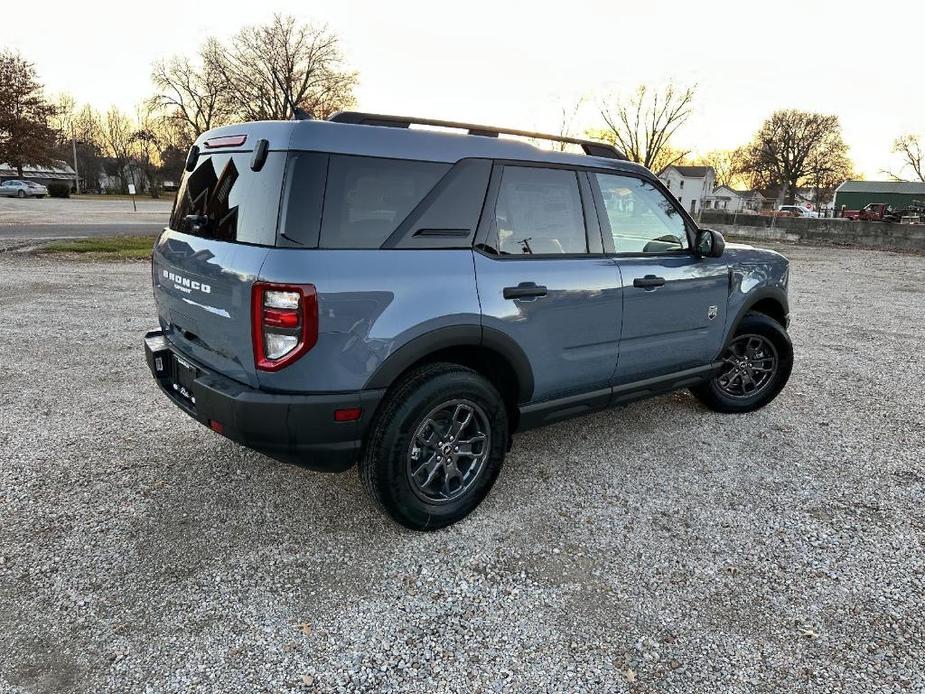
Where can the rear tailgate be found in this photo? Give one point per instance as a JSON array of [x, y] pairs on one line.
[[204, 265]]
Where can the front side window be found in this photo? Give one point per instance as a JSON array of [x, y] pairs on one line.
[[367, 198], [641, 218], [538, 212]]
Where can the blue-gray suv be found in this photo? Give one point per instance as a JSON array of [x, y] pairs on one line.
[[407, 293]]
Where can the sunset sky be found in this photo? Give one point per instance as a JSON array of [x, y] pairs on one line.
[[514, 64]]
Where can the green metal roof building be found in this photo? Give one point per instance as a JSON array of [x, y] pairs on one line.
[[853, 195]]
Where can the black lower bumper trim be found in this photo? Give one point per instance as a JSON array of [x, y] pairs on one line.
[[294, 428]]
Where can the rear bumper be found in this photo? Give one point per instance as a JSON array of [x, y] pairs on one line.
[[294, 428]]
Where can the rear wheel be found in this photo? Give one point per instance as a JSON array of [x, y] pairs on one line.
[[755, 367], [21, 194], [436, 446]]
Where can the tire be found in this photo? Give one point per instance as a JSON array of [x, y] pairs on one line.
[[401, 441], [20, 195], [759, 342]]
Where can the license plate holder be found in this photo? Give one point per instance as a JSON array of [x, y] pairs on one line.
[[184, 375]]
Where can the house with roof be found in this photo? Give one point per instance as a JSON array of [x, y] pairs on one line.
[[58, 172], [729, 199], [691, 185], [854, 195], [753, 200], [724, 198]]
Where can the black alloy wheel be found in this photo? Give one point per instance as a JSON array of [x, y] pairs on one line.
[[448, 451], [749, 365]]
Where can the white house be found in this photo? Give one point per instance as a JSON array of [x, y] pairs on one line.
[[691, 185], [724, 198], [735, 201]]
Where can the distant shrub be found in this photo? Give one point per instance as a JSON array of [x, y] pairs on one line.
[[59, 190]]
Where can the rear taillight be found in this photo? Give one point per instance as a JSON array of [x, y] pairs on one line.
[[284, 323]]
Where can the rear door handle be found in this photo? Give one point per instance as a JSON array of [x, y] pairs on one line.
[[525, 290], [649, 282]]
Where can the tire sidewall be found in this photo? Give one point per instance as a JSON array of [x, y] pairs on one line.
[[391, 478]]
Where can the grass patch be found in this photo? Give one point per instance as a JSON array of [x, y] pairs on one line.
[[105, 247]]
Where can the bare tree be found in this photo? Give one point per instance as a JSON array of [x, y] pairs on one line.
[[569, 113], [64, 118], [644, 124], [192, 94], [269, 68], [77, 136], [146, 145], [88, 126], [794, 148], [25, 135], [909, 147], [727, 165], [116, 134]]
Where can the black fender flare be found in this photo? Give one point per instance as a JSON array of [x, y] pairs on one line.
[[775, 293], [421, 347]]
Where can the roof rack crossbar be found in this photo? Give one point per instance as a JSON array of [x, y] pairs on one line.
[[589, 147]]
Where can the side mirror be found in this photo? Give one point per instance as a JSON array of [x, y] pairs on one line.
[[710, 243]]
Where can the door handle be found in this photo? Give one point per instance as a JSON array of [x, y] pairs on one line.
[[525, 290], [649, 282]]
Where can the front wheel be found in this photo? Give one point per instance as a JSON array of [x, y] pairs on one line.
[[20, 195], [436, 446], [756, 365]]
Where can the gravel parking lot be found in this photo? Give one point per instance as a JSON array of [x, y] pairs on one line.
[[660, 547]]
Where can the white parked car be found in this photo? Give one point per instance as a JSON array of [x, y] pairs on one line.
[[798, 211], [22, 189]]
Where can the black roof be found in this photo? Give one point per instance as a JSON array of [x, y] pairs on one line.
[[689, 171]]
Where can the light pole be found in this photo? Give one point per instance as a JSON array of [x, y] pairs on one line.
[[76, 174]]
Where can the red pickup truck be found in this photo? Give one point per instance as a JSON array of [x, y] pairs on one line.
[[872, 212]]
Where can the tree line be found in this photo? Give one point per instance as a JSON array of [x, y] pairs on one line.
[[269, 71], [263, 72], [791, 150]]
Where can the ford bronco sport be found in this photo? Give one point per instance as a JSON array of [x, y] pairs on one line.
[[365, 289]]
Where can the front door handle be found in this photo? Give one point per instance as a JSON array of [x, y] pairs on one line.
[[649, 282], [525, 290]]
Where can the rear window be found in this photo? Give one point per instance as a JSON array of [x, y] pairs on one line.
[[224, 199], [366, 198]]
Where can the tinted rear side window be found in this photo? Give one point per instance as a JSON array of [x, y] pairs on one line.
[[366, 198], [223, 199]]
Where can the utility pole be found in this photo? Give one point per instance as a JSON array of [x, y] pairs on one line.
[[76, 174]]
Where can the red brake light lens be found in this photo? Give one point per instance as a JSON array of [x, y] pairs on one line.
[[284, 323], [281, 318], [226, 141]]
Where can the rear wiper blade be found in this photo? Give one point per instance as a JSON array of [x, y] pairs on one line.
[[290, 239]]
